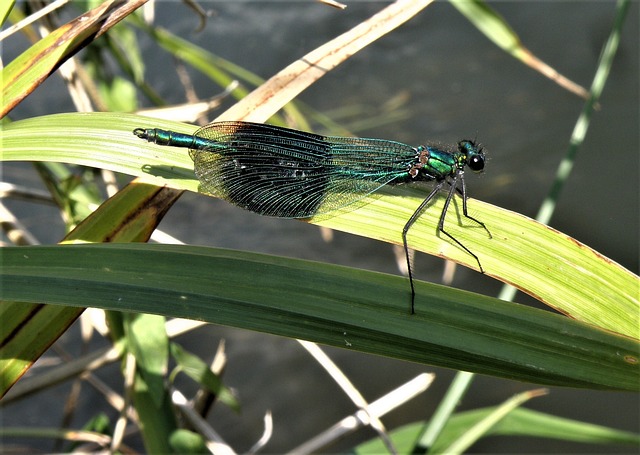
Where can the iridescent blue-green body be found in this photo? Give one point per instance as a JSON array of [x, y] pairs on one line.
[[287, 173]]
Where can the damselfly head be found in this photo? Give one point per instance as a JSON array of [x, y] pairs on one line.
[[474, 154]]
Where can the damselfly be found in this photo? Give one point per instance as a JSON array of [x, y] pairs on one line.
[[287, 173]]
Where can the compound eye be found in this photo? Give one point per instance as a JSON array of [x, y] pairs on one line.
[[476, 163]]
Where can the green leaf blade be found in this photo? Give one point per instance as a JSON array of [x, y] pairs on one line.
[[552, 267], [338, 306]]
